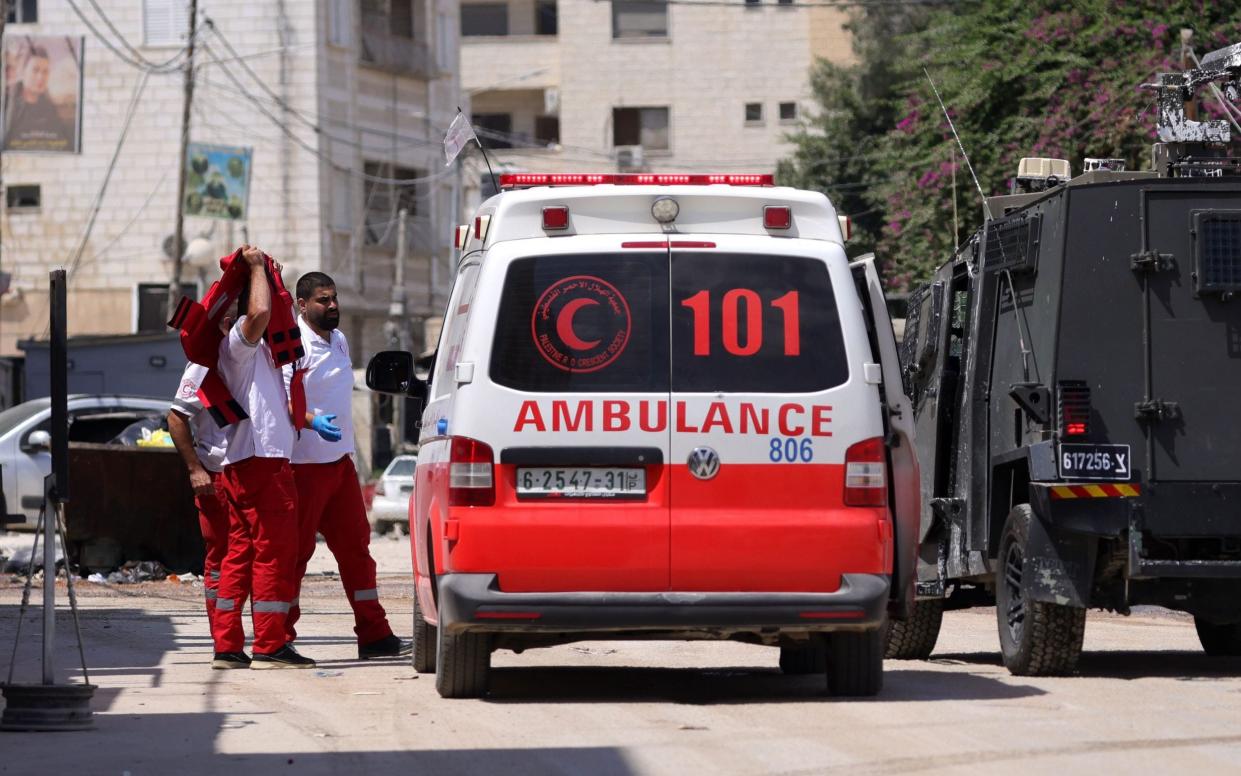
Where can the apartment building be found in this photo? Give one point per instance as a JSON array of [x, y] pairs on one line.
[[632, 85], [343, 105]]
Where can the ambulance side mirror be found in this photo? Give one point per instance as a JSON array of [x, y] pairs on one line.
[[392, 371]]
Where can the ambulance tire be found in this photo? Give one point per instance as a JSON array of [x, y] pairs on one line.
[[462, 664], [855, 663], [1219, 640], [424, 642], [1037, 638], [810, 659], [914, 638]]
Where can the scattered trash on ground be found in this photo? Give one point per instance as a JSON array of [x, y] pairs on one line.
[[19, 562], [328, 673], [97, 578], [138, 571]]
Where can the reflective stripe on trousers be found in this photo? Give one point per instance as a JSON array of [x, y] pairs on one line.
[[279, 607], [212, 594], [225, 604], [366, 595]]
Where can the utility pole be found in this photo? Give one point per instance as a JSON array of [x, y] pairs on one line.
[[396, 310], [178, 239], [4, 18]]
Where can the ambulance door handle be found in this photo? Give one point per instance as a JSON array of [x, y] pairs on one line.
[[463, 372]]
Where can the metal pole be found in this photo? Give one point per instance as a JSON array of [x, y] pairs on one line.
[[178, 239], [56, 487], [397, 311]]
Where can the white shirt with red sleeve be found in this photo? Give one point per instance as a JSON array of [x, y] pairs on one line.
[[209, 438], [329, 391], [255, 383]]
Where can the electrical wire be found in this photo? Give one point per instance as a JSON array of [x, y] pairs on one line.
[[170, 66]]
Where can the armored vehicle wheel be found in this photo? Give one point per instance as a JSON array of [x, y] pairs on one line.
[[424, 642], [1037, 638], [915, 638], [463, 661], [1219, 640], [855, 663], [810, 659]]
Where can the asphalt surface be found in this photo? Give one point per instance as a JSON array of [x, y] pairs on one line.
[[1145, 700]]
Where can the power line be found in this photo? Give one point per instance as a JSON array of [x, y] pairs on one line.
[[141, 63]]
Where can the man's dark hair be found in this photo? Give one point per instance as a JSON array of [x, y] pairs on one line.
[[38, 52], [310, 282]]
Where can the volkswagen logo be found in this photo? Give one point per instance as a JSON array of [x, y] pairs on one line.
[[704, 463]]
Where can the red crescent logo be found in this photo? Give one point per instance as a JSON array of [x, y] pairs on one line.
[[564, 324], [580, 323]]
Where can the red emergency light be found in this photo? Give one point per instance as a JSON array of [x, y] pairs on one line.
[[777, 217], [556, 218], [524, 179]]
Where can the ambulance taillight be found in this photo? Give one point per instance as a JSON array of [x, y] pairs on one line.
[[471, 477], [555, 218], [866, 478], [777, 217]]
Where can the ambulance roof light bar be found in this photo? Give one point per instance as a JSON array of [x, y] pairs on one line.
[[523, 179]]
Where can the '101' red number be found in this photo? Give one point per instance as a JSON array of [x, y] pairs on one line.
[[700, 305]]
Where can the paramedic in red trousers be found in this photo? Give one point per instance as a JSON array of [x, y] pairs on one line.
[[262, 542], [329, 498], [201, 444]]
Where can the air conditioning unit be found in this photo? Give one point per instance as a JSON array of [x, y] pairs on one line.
[[630, 159]]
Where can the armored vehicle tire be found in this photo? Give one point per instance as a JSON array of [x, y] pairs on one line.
[[810, 659], [855, 663], [1219, 640], [1037, 638], [424, 642], [914, 638], [463, 661]]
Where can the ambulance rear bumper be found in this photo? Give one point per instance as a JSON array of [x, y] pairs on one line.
[[474, 602]]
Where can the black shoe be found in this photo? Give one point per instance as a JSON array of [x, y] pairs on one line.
[[388, 646], [285, 657], [227, 660]]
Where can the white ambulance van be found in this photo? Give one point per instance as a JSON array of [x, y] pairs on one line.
[[662, 407]]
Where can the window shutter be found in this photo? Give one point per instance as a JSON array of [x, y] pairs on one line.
[[164, 22]]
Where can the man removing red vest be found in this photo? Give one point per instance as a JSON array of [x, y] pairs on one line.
[[258, 481], [329, 498]]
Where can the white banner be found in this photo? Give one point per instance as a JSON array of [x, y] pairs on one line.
[[459, 134]]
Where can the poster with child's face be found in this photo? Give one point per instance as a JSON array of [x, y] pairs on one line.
[[217, 181], [42, 107]]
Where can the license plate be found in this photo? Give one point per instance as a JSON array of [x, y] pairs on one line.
[[580, 482], [1095, 462]]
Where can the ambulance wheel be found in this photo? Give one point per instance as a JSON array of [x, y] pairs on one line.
[[1037, 638], [809, 659], [462, 663], [855, 663], [914, 638], [1219, 640], [424, 641]]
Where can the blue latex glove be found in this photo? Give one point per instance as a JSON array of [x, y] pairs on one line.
[[323, 426]]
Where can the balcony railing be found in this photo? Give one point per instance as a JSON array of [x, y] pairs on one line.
[[393, 53]]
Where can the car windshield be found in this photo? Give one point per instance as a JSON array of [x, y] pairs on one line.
[[15, 416], [401, 467]]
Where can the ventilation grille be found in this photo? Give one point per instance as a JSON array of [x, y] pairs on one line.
[[1073, 407], [1217, 251], [1012, 244]]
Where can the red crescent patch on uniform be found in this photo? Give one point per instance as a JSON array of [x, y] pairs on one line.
[[581, 323], [188, 389]]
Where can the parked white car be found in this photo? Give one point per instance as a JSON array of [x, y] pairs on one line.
[[25, 441], [392, 492]]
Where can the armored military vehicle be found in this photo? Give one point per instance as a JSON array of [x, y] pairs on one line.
[[1076, 376]]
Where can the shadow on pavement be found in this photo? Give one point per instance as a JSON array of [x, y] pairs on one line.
[[727, 686], [1126, 664]]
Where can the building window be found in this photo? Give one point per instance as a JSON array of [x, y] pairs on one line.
[[547, 129], [23, 11], [384, 201], [784, 2], [639, 19], [545, 17], [753, 112], [647, 127], [484, 19], [23, 197], [153, 305], [752, 3], [401, 18], [165, 22], [788, 111], [495, 129], [338, 22]]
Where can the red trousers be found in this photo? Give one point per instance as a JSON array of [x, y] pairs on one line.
[[262, 554], [213, 522], [329, 502]]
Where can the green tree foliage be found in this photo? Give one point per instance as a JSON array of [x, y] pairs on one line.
[[1020, 78]]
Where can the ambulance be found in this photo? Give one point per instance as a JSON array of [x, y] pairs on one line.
[[662, 407]]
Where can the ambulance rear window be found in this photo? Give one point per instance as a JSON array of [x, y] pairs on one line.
[[584, 323], [754, 324]]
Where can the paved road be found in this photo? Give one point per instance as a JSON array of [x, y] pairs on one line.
[[1146, 701]]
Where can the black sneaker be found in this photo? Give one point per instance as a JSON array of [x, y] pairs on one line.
[[227, 660], [388, 646], [285, 657]]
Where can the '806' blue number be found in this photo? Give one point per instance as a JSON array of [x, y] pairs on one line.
[[791, 450]]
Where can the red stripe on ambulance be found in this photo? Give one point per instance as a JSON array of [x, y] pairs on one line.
[[651, 415]]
